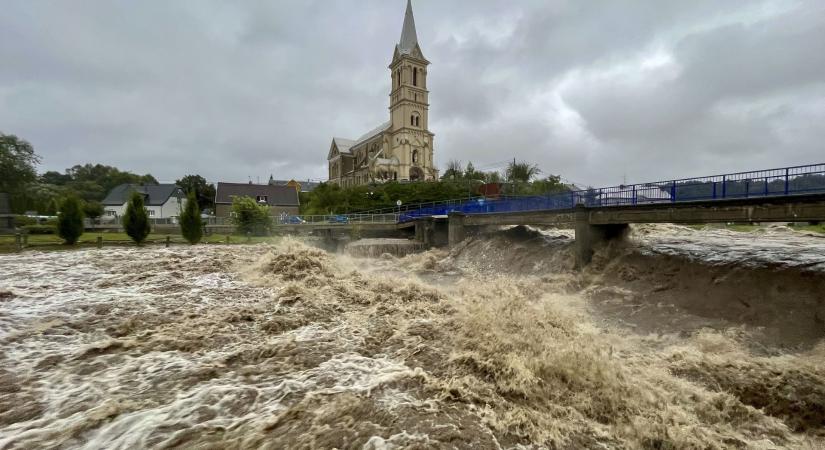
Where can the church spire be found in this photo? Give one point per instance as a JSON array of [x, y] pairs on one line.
[[409, 39]]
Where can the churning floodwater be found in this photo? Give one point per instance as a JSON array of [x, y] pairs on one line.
[[677, 338]]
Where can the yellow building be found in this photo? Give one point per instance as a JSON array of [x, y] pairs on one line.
[[402, 148]]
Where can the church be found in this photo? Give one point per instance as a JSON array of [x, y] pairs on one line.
[[400, 149]]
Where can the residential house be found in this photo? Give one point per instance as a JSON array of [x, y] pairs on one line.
[[280, 199], [301, 186], [162, 201]]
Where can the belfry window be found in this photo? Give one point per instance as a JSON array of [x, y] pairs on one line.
[[415, 76]]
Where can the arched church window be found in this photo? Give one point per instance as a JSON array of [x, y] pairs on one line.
[[415, 76], [415, 156]]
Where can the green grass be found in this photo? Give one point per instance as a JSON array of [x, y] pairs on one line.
[[53, 242]]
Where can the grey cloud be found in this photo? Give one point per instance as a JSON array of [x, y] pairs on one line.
[[234, 90]]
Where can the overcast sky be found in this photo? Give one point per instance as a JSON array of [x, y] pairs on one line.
[[595, 91]]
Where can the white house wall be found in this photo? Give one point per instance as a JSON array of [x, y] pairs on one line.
[[171, 208]]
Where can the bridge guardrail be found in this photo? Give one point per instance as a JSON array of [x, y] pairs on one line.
[[335, 219], [786, 181]]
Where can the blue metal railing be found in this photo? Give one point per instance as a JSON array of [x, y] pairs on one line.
[[786, 181]]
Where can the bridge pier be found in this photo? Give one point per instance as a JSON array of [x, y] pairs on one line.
[[428, 232], [456, 231], [588, 236]]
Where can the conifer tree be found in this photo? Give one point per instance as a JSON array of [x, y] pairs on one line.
[[70, 220], [136, 220], [191, 225]]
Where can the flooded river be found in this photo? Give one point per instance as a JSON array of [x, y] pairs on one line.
[[677, 338]]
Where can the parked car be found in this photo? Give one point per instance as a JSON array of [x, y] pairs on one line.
[[338, 219], [295, 220]]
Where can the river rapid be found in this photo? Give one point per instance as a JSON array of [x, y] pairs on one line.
[[675, 338]]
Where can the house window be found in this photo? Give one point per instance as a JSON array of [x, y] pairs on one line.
[[151, 212], [261, 199]]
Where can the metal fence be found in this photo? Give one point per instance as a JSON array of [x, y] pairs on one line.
[[336, 219], [787, 181]]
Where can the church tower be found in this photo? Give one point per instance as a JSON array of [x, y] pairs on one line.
[[410, 139]]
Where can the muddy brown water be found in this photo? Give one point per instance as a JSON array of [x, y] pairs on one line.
[[677, 339]]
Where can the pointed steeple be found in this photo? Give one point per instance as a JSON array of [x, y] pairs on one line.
[[409, 39]]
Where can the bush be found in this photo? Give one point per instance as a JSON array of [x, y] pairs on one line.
[[136, 220], [250, 217], [93, 210], [39, 229], [22, 221], [191, 225], [70, 220]]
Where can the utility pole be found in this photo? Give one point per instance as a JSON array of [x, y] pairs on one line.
[[513, 182]]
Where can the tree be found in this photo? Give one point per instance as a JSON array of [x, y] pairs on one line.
[[94, 181], [93, 210], [191, 225], [136, 220], [453, 171], [70, 220], [521, 172], [204, 191], [470, 172], [249, 217], [17, 167], [492, 177]]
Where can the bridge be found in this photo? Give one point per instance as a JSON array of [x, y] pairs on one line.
[[788, 194]]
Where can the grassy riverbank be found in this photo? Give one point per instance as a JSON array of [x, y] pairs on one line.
[[53, 242]]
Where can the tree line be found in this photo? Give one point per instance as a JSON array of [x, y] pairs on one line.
[[43, 193], [458, 181], [70, 226]]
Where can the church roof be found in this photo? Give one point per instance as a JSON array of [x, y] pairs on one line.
[[343, 144], [409, 38], [372, 133]]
